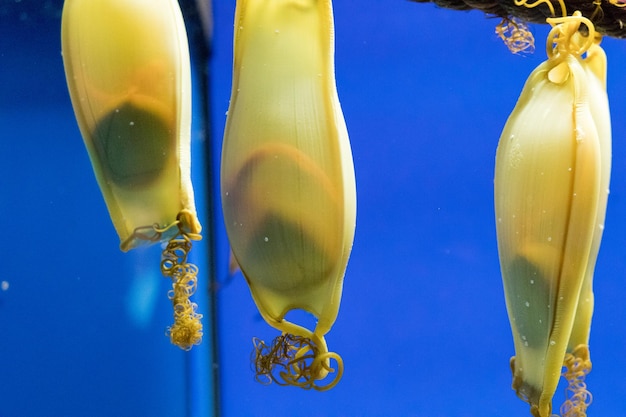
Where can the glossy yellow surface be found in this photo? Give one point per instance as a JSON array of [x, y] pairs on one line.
[[287, 186], [128, 73], [127, 67], [551, 189]]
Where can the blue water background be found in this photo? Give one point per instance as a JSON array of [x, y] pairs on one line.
[[422, 328]]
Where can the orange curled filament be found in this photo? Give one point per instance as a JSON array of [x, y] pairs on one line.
[[187, 328], [516, 35], [577, 398]]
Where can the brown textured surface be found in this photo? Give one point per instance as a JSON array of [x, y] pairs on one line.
[[607, 18]]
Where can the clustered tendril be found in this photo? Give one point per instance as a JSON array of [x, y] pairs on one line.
[[516, 35], [293, 360], [577, 398], [187, 328]]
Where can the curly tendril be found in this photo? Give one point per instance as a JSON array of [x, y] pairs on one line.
[[577, 398], [187, 328], [515, 35], [294, 360], [155, 232], [545, 2], [565, 37]]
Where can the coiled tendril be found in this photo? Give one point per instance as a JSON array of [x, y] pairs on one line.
[[514, 32], [516, 35], [294, 360], [187, 328], [577, 398], [565, 36]]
